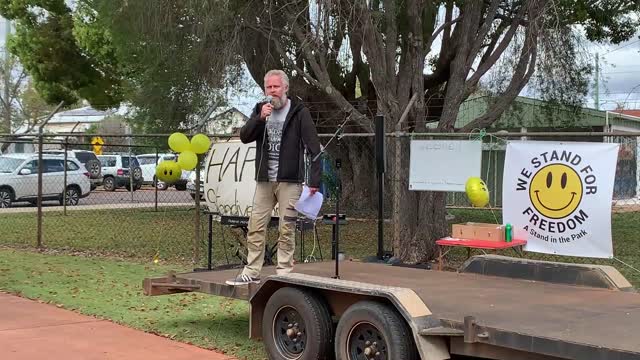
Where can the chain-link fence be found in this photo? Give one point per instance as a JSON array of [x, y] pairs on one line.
[[625, 201], [63, 195], [111, 204]]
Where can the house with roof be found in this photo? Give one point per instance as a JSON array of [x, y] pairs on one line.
[[527, 115], [74, 121], [631, 112], [226, 120]]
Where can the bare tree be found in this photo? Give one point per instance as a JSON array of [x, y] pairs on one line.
[[384, 44], [13, 79], [22, 107]]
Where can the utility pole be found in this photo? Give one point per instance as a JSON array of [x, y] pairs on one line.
[[597, 83]]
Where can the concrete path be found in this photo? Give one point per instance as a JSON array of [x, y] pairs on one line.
[[31, 330]]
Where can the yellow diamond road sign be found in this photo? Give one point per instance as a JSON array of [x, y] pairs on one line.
[[97, 143]]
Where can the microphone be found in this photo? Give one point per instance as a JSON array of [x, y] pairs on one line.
[[269, 99]]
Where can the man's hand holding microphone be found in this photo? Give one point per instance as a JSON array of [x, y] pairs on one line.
[[265, 112]]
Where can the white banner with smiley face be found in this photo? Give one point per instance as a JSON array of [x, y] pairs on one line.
[[558, 195]]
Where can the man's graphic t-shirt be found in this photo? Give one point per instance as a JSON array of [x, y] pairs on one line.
[[275, 122]]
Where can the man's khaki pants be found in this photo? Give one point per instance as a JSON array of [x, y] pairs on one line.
[[268, 194]]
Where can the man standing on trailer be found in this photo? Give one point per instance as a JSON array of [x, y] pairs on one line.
[[282, 129]]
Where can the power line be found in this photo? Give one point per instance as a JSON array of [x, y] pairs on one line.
[[622, 47], [621, 72]]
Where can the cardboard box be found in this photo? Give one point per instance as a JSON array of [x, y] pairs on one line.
[[478, 231]]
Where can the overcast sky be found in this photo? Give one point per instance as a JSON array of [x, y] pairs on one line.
[[620, 74]]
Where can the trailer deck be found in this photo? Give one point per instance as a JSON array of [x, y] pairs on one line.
[[557, 320]]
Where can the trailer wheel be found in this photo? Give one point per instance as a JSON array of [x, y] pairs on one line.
[[372, 330], [297, 325]]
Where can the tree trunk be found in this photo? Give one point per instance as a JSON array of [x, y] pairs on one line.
[[419, 217]]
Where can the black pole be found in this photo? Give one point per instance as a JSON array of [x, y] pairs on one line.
[[210, 237], [380, 166], [380, 216], [338, 192]]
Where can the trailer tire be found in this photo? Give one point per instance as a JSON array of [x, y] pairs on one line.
[[368, 327], [297, 325]]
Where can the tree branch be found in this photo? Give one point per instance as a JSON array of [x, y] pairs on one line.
[[373, 48], [523, 71], [506, 40], [441, 28], [21, 77], [458, 72], [391, 41], [446, 37], [483, 31], [323, 83]]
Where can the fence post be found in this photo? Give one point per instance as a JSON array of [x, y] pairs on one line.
[[39, 199], [196, 239], [64, 189], [380, 167], [155, 183], [130, 169], [40, 170]]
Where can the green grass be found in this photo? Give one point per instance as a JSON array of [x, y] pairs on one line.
[[143, 234], [118, 248], [167, 234], [112, 289]]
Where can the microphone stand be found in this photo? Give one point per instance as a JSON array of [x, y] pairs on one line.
[[338, 136]]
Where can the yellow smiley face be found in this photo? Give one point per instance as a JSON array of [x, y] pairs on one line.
[[168, 171], [556, 191]]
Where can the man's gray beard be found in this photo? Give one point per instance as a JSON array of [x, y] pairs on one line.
[[278, 103]]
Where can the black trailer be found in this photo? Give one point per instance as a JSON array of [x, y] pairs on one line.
[[494, 307]]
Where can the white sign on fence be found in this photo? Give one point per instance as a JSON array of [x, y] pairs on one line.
[[229, 178], [560, 194], [443, 165]]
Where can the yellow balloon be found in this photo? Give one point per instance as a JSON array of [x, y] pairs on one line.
[[188, 160], [200, 143], [168, 171], [477, 192], [179, 142]]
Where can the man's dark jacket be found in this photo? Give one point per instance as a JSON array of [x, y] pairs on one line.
[[298, 133]]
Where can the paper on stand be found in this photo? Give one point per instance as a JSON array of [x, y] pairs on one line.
[[309, 205]]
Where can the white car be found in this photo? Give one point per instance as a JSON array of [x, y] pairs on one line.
[[191, 184], [19, 179], [86, 158], [115, 172], [148, 164]]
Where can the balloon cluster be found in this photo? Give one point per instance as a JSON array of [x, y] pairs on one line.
[[170, 171], [477, 192]]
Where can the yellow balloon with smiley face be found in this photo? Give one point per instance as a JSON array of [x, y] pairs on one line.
[[168, 171], [477, 192], [556, 191]]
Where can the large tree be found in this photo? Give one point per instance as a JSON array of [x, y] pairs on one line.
[[161, 60], [175, 67], [413, 57], [387, 46]]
